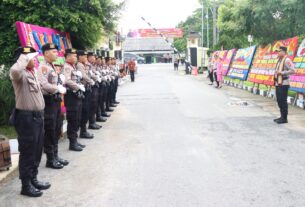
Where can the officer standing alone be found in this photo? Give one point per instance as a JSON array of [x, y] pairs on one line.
[[28, 120], [284, 68], [132, 69]]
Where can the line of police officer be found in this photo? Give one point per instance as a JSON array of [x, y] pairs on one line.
[[89, 84]]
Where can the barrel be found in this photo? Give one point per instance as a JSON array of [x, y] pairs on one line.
[[5, 154]]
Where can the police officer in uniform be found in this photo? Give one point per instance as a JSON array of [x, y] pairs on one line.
[[105, 79], [116, 80], [109, 85], [52, 88], [95, 75], [101, 109], [88, 83], [73, 98], [284, 68], [28, 120]]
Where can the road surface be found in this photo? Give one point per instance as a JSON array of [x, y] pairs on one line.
[[175, 141]]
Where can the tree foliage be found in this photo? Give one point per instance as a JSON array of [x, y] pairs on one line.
[[193, 23], [266, 20], [85, 20]]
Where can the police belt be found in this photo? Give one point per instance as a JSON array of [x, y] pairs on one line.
[[51, 97], [30, 113], [284, 78]]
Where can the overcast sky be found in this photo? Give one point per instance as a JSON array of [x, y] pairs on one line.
[[160, 13]]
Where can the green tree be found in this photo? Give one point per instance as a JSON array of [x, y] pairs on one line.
[[266, 20], [193, 23], [86, 21]]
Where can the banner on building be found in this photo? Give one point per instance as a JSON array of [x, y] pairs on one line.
[[241, 63], [36, 36], [166, 32], [265, 60]]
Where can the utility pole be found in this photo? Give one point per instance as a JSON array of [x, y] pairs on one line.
[[214, 23], [207, 16], [202, 22]]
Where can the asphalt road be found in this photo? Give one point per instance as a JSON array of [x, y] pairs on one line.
[[174, 141]]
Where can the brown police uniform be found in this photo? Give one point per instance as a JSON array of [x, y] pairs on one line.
[[94, 96], [88, 83], [73, 103], [29, 123], [49, 81], [286, 67]]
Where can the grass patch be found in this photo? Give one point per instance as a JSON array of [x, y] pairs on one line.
[[8, 131]]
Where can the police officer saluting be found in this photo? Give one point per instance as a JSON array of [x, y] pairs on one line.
[[73, 98], [52, 88], [284, 68], [28, 120]]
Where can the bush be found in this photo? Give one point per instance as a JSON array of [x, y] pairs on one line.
[[7, 98]]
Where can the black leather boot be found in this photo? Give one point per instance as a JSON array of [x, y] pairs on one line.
[[73, 146], [101, 119], [52, 162], [40, 185], [81, 145], [94, 126], [283, 119], [109, 110], [105, 114], [86, 135], [28, 189], [60, 160]]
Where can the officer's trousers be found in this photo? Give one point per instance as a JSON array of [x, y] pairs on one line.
[[109, 95], [116, 85], [101, 100], [30, 129], [52, 124], [85, 111], [93, 104], [132, 76], [281, 97], [74, 109]]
